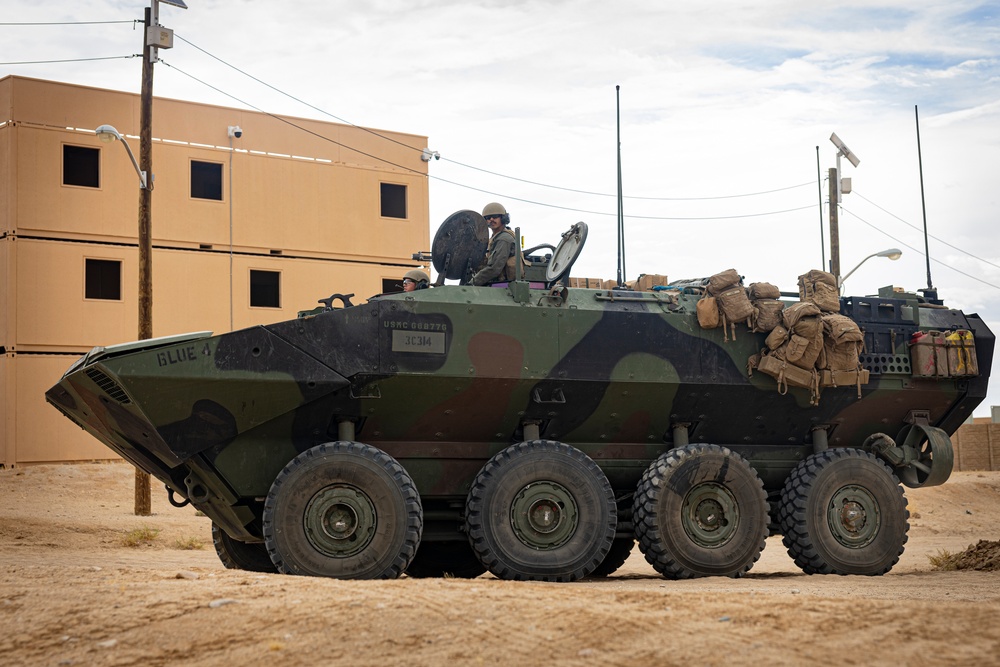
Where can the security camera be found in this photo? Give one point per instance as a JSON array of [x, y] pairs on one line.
[[235, 131]]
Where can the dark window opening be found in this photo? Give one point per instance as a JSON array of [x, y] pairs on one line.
[[103, 279], [81, 166], [393, 200], [206, 180], [390, 285], [265, 289]]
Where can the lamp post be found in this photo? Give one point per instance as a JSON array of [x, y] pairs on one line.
[[891, 253], [108, 134]]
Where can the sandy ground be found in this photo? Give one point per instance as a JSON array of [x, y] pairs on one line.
[[72, 594]]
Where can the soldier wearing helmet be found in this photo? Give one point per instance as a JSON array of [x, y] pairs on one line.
[[499, 264], [415, 279]]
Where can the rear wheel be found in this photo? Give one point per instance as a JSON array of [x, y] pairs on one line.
[[345, 510], [701, 511], [621, 549], [541, 510], [844, 512], [445, 559], [237, 555]]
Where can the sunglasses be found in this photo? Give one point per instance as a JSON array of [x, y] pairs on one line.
[[407, 281], [493, 217]]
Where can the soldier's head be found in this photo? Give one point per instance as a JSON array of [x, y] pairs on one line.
[[496, 216], [415, 279]]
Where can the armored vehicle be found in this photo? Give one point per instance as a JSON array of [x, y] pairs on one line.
[[539, 430]]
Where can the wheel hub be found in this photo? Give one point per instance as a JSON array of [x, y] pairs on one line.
[[340, 521], [853, 516], [544, 515], [710, 515]]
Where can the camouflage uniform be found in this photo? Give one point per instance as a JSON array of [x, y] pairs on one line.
[[498, 253]]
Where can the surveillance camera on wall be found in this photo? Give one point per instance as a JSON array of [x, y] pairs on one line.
[[235, 131]]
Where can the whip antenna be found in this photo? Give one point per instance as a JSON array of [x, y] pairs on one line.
[[621, 209]]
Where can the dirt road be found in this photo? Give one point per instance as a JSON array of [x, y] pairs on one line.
[[71, 593]]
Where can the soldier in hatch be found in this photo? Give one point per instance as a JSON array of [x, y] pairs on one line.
[[415, 279], [499, 265]]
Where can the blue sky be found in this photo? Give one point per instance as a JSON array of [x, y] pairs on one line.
[[717, 99]]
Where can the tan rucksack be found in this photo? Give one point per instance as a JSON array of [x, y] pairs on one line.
[[821, 288]]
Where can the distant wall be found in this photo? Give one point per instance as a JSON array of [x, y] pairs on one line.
[[977, 447]]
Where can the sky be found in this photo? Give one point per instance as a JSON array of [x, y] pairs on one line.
[[722, 106]]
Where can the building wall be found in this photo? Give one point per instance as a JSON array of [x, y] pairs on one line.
[[299, 197], [977, 446]]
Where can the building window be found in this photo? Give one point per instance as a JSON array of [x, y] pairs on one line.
[[391, 285], [265, 289], [103, 279], [206, 180], [81, 166], [393, 200]]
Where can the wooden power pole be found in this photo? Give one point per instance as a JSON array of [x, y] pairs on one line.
[[143, 501], [834, 224]]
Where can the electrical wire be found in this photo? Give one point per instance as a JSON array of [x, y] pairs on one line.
[[468, 166], [72, 60], [462, 185], [70, 22], [954, 247], [947, 266]]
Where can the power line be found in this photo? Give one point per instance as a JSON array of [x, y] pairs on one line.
[[70, 22], [947, 266], [71, 60], [469, 187], [468, 166], [954, 247]]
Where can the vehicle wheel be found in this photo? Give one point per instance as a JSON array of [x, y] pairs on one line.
[[237, 555], [844, 512], [345, 510], [620, 550], [445, 559], [701, 511], [542, 511]]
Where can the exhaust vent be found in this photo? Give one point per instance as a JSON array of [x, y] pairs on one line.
[[108, 386]]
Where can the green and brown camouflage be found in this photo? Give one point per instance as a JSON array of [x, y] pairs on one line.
[[449, 381]]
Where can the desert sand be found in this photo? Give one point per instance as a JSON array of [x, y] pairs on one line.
[[73, 593]]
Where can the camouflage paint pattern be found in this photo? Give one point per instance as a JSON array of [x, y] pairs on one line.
[[442, 379]]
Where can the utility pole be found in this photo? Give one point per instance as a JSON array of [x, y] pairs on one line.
[[834, 223], [143, 500], [154, 37]]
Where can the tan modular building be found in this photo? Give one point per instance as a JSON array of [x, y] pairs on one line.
[[246, 230]]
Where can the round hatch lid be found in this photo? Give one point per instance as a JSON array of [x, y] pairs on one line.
[[567, 251], [464, 236]]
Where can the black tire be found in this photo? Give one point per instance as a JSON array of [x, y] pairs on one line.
[[701, 511], [445, 559], [844, 512], [621, 549], [237, 555], [344, 510], [541, 511]]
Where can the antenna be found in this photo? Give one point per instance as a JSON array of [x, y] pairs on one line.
[[929, 292], [621, 209]]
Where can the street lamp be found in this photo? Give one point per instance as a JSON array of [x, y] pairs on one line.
[[108, 134], [891, 253]]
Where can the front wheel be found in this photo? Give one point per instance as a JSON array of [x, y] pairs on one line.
[[701, 511], [344, 510], [844, 512]]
